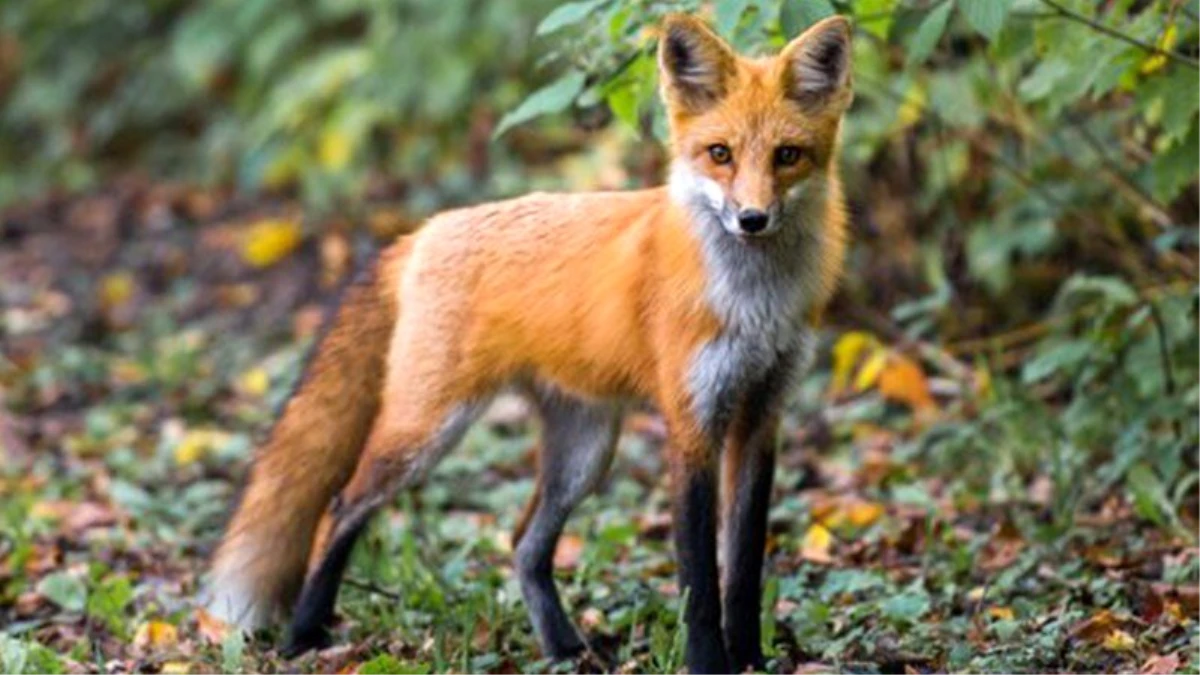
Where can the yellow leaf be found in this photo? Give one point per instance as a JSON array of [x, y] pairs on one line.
[[1119, 641], [870, 371], [255, 382], [816, 545], [334, 151], [115, 289], [196, 444], [176, 668], [1166, 43], [903, 381], [846, 353], [269, 241], [1001, 613], [862, 514], [155, 635]]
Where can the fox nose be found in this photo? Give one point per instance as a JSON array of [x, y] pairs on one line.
[[753, 221]]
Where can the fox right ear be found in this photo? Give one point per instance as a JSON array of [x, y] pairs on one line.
[[694, 63]]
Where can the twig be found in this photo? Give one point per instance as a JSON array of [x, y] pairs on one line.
[[1114, 33], [1037, 329]]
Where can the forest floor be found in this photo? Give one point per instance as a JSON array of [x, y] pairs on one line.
[[150, 333]]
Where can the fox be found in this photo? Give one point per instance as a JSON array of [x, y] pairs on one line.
[[699, 296]]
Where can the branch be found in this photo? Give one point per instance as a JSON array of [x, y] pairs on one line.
[[1114, 33]]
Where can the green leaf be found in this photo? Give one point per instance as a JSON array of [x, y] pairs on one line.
[[109, 600], [552, 98], [18, 656], [1060, 357], [1149, 495], [1084, 288], [796, 15], [65, 590], [985, 16], [386, 663], [927, 35], [567, 15], [875, 16], [906, 608]]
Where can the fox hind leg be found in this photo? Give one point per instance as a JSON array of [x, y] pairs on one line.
[[577, 448], [396, 457]]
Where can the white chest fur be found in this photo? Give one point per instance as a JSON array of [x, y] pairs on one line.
[[759, 289]]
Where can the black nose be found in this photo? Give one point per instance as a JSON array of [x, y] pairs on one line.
[[753, 220]]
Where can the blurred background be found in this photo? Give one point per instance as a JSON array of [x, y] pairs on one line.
[[994, 466]]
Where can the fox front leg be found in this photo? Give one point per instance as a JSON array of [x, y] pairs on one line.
[[747, 473]]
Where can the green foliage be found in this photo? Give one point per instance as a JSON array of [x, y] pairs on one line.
[[270, 93]]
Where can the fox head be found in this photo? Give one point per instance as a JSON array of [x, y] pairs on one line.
[[753, 138]]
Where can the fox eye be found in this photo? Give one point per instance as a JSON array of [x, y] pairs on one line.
[[720, 153], [787, 155]]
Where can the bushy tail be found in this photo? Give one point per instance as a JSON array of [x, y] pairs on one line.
[[310, 455]]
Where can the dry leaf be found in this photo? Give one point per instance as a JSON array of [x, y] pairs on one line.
[[1119, 641], [115, 289], [1160, 665], [269, 241], [254, 382], [1096, 627], [903, 381], [568, 551], [1001, 613], [212, 629], [155, 635], [818, 540], [869, 374], [846, 354]]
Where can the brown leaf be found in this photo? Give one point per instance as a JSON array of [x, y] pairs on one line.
[[1096, 627], [1160, 665], [212, 629], [903, 381], [568, 551]]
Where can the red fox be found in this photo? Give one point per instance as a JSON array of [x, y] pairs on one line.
[[697, 296]]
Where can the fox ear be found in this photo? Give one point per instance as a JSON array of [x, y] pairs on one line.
[[694, 63], [817, 64]]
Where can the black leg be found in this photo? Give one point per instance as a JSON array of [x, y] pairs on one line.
[[745, 544], [314, 610], [695, 519]]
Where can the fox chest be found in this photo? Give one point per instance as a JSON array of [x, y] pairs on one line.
[[763, 341]]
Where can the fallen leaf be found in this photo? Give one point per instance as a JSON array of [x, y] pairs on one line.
[[155, 635], [255, 382], [869, 374], [269, 241], [901, 380], [176, 668], [1001, 613], [1119, 641], [212, 629], [568, 551], [1096, 627], [1160, 665], [115, 289], [846, 354], [816, 544]]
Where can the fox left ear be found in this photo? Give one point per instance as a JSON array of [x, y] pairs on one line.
[[695, 65], [816, 69]]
